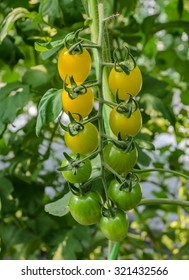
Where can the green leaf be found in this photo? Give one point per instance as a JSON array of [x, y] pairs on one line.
[[13, 97], [152, 103], [148, 24], [72, 11], [45, 55], [184, 97], [143, 158], [38, 76], [42, 47], [49, 108], [50, 48], [154, 86], [60, 207], [7, 203], [9, 21], [180, 7], [51, 12]]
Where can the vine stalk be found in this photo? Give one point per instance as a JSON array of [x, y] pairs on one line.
[[97, 32]]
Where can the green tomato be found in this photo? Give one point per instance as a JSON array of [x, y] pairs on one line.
[[83, 173], [85, 209], [124, 199], [115, 227], [118, 160]]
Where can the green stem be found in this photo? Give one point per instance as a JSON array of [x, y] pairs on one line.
[[97, 29], [176, 173], [158, 201], [113, 250], [97, 33]]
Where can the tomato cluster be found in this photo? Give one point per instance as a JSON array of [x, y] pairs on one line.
[[118, 154]]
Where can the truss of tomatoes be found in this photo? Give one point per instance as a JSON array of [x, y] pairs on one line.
[[82, 138]]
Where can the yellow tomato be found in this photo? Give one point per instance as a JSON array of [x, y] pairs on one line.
[[125, 84], [85, 141], [76, 65], [82, 104], [119, 123]]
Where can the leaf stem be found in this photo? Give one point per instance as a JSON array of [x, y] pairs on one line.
[[158, 201], [176, 173]]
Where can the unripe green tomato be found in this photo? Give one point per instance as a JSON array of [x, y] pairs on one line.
[[85, 209], [124, 199], [118, 160], [83, 173], [115, 228]]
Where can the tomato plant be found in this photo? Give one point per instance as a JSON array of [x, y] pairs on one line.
[[125, 126], [125, 198], [115, 227], [125, 84], [77, 65], [81, 105], [85, 209], [119, 160], [77, 174], [85, 141]]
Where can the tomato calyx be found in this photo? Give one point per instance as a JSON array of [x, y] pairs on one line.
[[75, 127], [127, 108], [129, 182], [109, 209], [125, 66], [75, 90], [74, 163], [126, 146], [72, 42]]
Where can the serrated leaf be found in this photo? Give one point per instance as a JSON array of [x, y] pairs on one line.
[[49, 108], [10, 19], [60, 207]]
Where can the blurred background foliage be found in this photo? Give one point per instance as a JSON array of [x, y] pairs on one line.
[[157, 34]]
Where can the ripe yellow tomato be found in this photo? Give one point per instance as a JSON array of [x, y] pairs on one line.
[[85, 141], [124, 83], [76, 65], [119, 123], [82, 104]]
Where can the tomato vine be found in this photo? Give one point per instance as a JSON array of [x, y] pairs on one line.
[[117, 121]]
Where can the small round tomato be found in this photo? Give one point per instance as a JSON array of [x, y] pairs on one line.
[[81, 105], [82, 174], [115, 227], [124, 199], [119, 123], [125, 84], [85, 141], [85, 209], [76, 65], [118, 160]]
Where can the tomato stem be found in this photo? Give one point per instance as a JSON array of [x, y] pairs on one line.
[[176, 173], [113, 171], [159, 201], [113, 250]]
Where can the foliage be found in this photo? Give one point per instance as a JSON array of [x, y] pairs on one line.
[[32, 33]]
